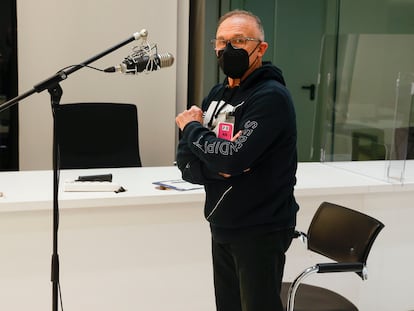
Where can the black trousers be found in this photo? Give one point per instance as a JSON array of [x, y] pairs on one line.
[[248, 273]]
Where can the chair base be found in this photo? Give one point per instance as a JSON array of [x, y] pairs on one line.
[[314, 298]]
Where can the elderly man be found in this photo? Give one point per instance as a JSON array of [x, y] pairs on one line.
[[241, 145]]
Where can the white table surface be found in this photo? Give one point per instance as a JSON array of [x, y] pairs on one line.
[[33, 190]]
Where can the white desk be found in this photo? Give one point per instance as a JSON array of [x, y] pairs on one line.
[[149, 249], [32, 190]]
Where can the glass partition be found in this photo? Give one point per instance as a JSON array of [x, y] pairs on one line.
[[365, 119], [365, 103], [402, 142]]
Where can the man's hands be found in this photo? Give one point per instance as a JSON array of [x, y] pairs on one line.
[[187, 116], [196, 114]]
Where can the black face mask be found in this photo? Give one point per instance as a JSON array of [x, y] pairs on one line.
[[233, 62]]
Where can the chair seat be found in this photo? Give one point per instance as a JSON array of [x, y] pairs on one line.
[[314, 298]]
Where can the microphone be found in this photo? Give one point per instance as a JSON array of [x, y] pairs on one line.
[[134, 64]]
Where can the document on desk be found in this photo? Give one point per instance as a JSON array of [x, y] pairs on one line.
[[177, 184], [92, 186]]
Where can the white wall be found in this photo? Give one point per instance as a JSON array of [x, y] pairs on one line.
[[56, 34]]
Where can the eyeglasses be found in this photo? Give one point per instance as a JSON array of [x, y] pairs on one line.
[[237, 43]]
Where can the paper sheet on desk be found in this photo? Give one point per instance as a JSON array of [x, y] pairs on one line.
[[177, 184], [92, 186]]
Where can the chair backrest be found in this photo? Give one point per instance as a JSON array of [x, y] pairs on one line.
[[342, 234], [403, 143], [97, 135]]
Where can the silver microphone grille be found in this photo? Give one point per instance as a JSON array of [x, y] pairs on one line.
[[166, 60]]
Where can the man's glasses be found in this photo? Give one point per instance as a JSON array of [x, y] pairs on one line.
[[237, 43]]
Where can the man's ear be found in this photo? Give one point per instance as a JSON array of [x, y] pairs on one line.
[[262, 48]]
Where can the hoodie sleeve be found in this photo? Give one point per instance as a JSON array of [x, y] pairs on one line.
[[192, 168]]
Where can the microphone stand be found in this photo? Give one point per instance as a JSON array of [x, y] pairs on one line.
[[55, 90]]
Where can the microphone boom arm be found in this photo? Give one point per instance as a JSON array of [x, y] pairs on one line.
[[63, 74]]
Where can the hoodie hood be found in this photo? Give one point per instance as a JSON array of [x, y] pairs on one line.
[[266, 72]]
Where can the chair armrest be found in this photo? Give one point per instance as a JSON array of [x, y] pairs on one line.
[[340, 267]]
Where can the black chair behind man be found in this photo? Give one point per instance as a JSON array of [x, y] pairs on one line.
[[343, 235], [403, 143], [97, 135]]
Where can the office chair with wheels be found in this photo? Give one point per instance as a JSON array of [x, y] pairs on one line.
[[343, 235], [97, 135]]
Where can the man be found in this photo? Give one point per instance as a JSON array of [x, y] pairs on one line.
[[242, 147]]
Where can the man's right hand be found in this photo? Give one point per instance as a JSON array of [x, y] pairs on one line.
[[190, 115]]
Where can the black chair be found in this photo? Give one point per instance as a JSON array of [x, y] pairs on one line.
[[403, 143], [97, 135], [343, 235], [368, 145]]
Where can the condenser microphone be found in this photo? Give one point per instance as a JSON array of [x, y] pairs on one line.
[[135, 64]]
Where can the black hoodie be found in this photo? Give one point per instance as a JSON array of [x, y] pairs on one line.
[[258, 197]]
